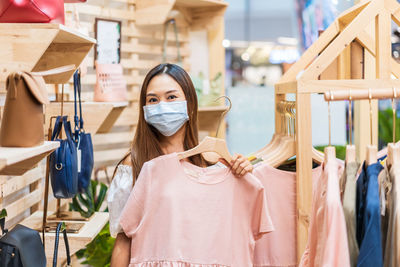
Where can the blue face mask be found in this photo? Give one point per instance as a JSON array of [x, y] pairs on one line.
[[166, 117]]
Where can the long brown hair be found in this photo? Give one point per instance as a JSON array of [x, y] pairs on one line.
[[146, 144]]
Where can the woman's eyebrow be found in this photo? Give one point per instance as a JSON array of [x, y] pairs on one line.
[[151, 94], [172, 91]]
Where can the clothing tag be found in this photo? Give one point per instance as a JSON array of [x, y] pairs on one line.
[[79, 159], [383, 201]]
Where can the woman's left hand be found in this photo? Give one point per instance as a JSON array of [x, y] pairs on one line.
[[240, 165]]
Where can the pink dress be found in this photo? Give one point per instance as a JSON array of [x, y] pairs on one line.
[[278, 249], [327, 238], [180, 215]]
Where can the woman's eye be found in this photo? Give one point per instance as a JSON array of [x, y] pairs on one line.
[[171, 97], [152, 100]]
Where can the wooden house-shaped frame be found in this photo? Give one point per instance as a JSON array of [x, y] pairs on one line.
[[354, 52]]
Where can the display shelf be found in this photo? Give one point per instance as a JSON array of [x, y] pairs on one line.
[[209, 117], [112, 117], [41, 46], [96, 115], [198, 13], [18, 160], [76, 241]]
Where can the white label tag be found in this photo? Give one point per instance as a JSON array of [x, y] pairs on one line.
[[383, 201], [79, 159]]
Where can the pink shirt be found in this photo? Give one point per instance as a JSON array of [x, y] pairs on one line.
[[181, 215], [279, 247], [327, 238]]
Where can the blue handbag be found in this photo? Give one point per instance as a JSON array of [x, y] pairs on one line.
[[83, 141], [63, 162]]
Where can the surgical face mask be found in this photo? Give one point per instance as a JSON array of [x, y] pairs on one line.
[[166, 117]]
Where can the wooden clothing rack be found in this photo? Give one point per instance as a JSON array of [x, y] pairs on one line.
[[354, 52]]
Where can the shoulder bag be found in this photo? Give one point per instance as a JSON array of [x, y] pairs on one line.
[[83, 141], [64, 162]]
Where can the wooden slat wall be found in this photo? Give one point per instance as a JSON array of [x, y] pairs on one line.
[[141, 49]]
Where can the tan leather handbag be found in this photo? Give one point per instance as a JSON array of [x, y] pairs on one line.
[[23, 121]]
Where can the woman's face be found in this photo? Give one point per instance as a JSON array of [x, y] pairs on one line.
[[163, 88]]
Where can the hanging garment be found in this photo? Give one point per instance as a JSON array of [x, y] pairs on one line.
[[349, 185], [368, 217], [327, 237], [279, 247], [385, 195], [392, 246], [179, 214]]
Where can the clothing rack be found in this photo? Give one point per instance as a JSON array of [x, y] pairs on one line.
[[352, 54]]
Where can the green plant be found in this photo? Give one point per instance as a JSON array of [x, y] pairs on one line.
[[89, 202], [98, 252], [385, 126]]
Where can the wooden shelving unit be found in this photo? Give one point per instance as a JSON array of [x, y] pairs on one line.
[[76, 240], [209, 117], [98, 116], [197, 13], [39, 47], [17, 161]]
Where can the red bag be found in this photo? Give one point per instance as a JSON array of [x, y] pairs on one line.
[[110, 83], [74, 1], [32, 11]]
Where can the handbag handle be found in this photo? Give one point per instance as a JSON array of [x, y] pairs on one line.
[[77, 90], [59, 226], [164, 55], [60, 121]]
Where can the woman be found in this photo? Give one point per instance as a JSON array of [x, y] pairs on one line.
[[167, 124]]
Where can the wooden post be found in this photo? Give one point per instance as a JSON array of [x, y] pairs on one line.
[[304, 169]]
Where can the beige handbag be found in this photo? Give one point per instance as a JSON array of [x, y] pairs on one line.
[[22, 122], [110, 83]]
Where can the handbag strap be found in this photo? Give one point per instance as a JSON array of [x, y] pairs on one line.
[[60, 122], [59, 226], [57, 128], [77, 90], [164, 56]]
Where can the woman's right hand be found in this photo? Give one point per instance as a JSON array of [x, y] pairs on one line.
[[122, 251]]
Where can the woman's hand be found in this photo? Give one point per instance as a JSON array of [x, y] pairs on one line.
[[239, 165]]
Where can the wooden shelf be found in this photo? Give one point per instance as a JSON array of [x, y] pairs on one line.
[[76, 241], [41, 46], [198, 13], [96, 115], [209, 117], [18, 160]]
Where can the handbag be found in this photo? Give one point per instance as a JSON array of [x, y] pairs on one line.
[[22, 122], [61, 227], [165, 44], [83, 141], [32, 11], [21, 247], [110, 83], [64, 162]]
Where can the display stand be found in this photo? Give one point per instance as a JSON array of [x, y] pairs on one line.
[[41, 46], [198, 13], [209, 117], [19, 160], [99, 116], [337, 44]]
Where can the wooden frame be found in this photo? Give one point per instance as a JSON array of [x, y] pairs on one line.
[[369, 25], [96, 32]]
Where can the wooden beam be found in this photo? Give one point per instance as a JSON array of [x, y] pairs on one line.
[[348, 15], [304, 169], [322, 86], [286, 87], [395, 68], [341, 41], [312, 52], [383, 44]]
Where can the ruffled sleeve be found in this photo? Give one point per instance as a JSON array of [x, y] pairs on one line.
[[118, 194]]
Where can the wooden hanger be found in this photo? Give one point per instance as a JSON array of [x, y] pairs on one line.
[[372, 150], [209, 144], [393, 155], [350, 148], [329, 151]]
